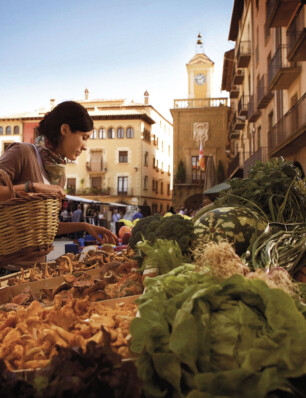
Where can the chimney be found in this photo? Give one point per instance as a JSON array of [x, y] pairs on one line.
[[146, 98], [52, 103], [86, 94]]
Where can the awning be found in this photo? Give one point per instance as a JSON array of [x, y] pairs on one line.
[[78, 199], [217, 188]]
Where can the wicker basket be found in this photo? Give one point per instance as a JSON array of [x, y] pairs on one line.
[[28, 224]]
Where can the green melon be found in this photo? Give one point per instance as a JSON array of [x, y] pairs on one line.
[[235, 224]]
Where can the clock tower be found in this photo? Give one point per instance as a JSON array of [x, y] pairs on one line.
[[200, 73]]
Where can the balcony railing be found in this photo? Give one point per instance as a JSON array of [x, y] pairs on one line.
[[261, 155], [234, 92], [296, 39], [243, 105], [253, 112], [280, 73], [233, 166], [238, 122], [244, 54], [289, 127], [200, 102], [279, 12], [264, 94], [238, 76]]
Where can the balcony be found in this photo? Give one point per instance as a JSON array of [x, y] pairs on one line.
[[92, 167], [296, 39], [243, 105], [233, 167], [239, 76], [253, 112], [280, 73], [289, 134], [261, 155], [200, 102], [264, 95], [279, 12], [244, 54], [234, 93], [238, 122]]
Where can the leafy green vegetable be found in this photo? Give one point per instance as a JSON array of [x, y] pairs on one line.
[[163, 254], [274, 186], [197, 337]]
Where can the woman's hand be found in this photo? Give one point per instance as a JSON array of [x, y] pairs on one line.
[[40, 187], [95, 231]]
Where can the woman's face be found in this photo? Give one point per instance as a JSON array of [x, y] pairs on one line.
[[72, 144]]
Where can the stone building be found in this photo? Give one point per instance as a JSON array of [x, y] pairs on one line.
[[199, 131], [265, 74]]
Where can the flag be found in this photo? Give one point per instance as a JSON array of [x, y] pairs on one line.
[[201, 158]]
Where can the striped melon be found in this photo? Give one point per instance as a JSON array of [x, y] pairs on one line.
[[235, 224]]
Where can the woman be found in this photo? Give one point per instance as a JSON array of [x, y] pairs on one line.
[[40, 168]]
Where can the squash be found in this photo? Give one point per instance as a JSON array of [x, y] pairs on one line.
[[235, 224]]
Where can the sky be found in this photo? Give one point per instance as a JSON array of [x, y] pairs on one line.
[[115, 49]]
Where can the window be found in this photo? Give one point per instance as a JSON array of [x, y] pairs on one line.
[[161, 208], [71, 185], [8, 130], [154, 208], [154, 163], [130, 133], [96, 183], [168, 189], [162, 146], [161, 187], [102, 134], [147, 135], [156, 186], [162, 167], [169, 150], [145, 183], [123, 156], [197, 174], [94, 134], [270, 120], [120, 132], [96, 162], [146, 158], [1, 130], [122, 185], [16, 130], [110, 133], [153, 185]]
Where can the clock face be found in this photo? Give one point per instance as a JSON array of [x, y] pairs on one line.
[[200, 78]]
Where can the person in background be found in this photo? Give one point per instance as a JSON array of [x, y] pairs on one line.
[[64, 215], [136, 215], [116, 216], [62, 134], [182, 211], [171, 210]]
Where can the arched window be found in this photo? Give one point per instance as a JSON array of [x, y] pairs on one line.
[[94, 134], [16, 130], [102, 134], [120, 132], [130, 133], [1, 130], [8, 130], [110, 133]]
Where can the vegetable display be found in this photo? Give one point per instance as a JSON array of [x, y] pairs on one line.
[[197, 337]]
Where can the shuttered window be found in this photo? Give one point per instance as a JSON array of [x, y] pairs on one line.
[[96, 162]]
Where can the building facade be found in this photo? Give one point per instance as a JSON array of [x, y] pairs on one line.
[[128, 158], [265, 75], [199, 135]]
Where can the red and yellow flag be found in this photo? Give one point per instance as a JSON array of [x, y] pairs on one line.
[[201, 158]]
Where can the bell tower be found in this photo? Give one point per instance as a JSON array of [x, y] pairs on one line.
[[200, 73]]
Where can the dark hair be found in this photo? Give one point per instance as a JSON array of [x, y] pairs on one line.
[[68, 112]]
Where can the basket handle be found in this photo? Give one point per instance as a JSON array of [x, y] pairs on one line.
[[7, 181]]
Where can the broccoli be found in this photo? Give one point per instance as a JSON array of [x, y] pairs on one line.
[[175, 228], [139, 230]]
